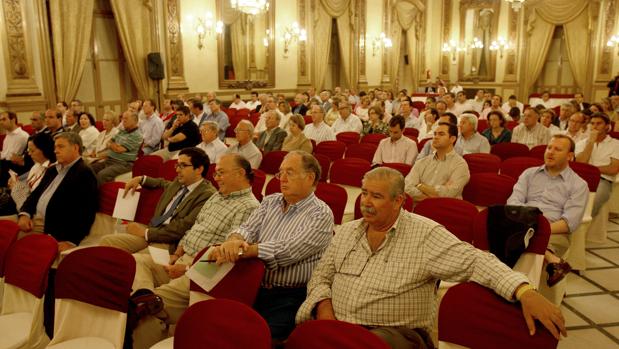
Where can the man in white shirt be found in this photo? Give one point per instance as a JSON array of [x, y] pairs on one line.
[[197, 111], [254, 102], [14, 143], [530, 132], [566, 111], [406, 111], [462, 104], [245, 147], [318, 130], [602, 151], [151, 127], [495, 105], [347, 122], [470, 140], [449, 99], [478, 101], [396, 148], [574, 127], [211, 144], [237, 103], [512, 102]]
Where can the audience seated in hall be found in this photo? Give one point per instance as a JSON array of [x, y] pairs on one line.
[[122, 152], [237, 103], [68, 186], [14, 143], [333, 113], [223, 212], [444, 173], [151, 127], [216, 114], [397, 147], [565, 112], [375, 123], [211, 144], [296, 139], [253, 102], [197, 111], [401, 305], [180, 134], [273, 137], [318, 130], [244, 146], [428, 147], [512, 102], [469, 139], [301, 108], [177, 209], [559, 193], [575, 127], [71, 121], [411, 119], [530, 132], [110, 121], [284, 112], [88, 132], [346, 122], [496, 131], [547, 118]]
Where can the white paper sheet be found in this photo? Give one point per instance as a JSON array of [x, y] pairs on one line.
[[126, 207], [208, 274], [159, 255]]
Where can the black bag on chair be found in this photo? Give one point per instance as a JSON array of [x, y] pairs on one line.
[[509, 231], [7, 205]]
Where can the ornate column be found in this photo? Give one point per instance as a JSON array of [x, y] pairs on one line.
[[361, 40], [605, 59], [22, 93], [303, 77], [445, 60], [512, 34], [174, 48], [385, 81]]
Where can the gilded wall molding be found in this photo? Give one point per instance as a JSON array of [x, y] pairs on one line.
[[174, 48], [445, 60], [302, 63], [386, 54], [605, 59], [362, 40], [512, 34]]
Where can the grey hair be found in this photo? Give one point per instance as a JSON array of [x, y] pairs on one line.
[[309, 162], [249, 125], [322, 110], [211, 125], [276, 114], [393, 177], [73, 139], [471, 118]]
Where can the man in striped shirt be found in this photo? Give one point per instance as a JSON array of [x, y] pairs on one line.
[[289, 232]]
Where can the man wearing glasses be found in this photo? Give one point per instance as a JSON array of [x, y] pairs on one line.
[[381, 271], [177, 208], [288, 232], [245, 147], [347, 122], [574, 127], [224, 211]]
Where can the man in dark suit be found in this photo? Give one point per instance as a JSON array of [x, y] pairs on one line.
[[64, 204], [300, 108], [273, 137], [177, 208]]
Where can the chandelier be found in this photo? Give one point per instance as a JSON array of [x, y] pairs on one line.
[[251, 7], [516, 4]]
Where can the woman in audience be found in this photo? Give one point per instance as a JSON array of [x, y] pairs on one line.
[[284, 109], [110, 121], [596, 108], [375, 123], [88, 132], [497, 133], [363, 108], [41, 150], [548, 116], [333, 113], [427, 127], [296, 140], [607, 107]]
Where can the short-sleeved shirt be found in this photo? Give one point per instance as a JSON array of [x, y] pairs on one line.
[[192, 136], [602, 153]]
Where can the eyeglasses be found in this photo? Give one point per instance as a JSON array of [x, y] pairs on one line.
[[238, 130], [180, 166], [221, 173], [290, 174], [355, 260]]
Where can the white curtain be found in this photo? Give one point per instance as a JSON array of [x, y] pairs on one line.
[[545, 15], [134, 23], [236, 22], [71, 29], [406, 17]]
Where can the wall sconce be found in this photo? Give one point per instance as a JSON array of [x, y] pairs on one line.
[[380, 42], [291, 33], [452, 48], [206, 26], [501, 45], [265, 40], [476, 44], [613, 42]]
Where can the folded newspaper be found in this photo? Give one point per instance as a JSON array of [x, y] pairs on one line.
[[206, 273]]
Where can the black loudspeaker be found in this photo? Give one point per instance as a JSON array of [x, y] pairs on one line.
[[406, 59], [155, 66]]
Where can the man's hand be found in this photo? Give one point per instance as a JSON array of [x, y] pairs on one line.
[[63, 246], [132, 185], [25, 223], [230, 251], [18, 160], [324, 310], [593, 136], [176, 270], [535, 306], [136, 229], [173, 258]]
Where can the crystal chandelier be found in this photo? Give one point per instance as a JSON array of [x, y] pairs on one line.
[[251, 7], [516, 4]]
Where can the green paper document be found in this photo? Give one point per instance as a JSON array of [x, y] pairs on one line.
[[208, 274]]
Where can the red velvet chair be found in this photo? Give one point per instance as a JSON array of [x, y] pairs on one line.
[[147, 204], [514, 166], [308, 119], [29, 129], [410, 131], [589, 173], [457, 216], [419, 105], [272, 187], [473, 316], [8, 236], [332, 149], [230, 112], [408, 206], [482, 125], [258, 183], [99, 125], [254, 118], [403, 168], [203, 326], [233, 122], [210, 175], [168, 170], [333, 334], [349, 171], [325, 166], [538, 151], [243, 113], [335, 197], [512, 124], [481, 162], [147, 165], [108, 192], [374, 138], [509, 150], [363, 151], [271, 161], [487, 189], [348, 137], [422, 143]]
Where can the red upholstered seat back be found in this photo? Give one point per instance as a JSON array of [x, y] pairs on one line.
[[333, 334], [348, 137], [422, 143], [374, 138], [100, 276], [210, 175], [481, 162], [272, 187], [325, 166], [168, 170], [335, 197], [271, 161], [589, 173], [364, 151], [147, 165], [482, 125], [203, 326], [514, 166], [241, 284], [404, 169], [8, 235], [258, 183], [107, 196], [28, 261], [332, 149], [538, 151], [349, 171], [455, 215], [410, 131], [474, 316], [147, 204], [509, 150], [487, 189]]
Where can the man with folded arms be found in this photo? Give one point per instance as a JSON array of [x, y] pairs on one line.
[[177, 209], [288, 232], [222, 212], [381, 271]]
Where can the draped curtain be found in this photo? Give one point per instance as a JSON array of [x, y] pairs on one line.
[[236, 20], [134, 23], [544, 16], [71, 29], [343, 12], [407, 19]]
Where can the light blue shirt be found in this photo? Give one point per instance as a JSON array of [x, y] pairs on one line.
[[52, 187], [476, 144], [560, 197], [290, 243], [151, 129], [221, 119]]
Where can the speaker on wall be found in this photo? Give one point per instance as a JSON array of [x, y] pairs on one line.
[[155, 66]]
